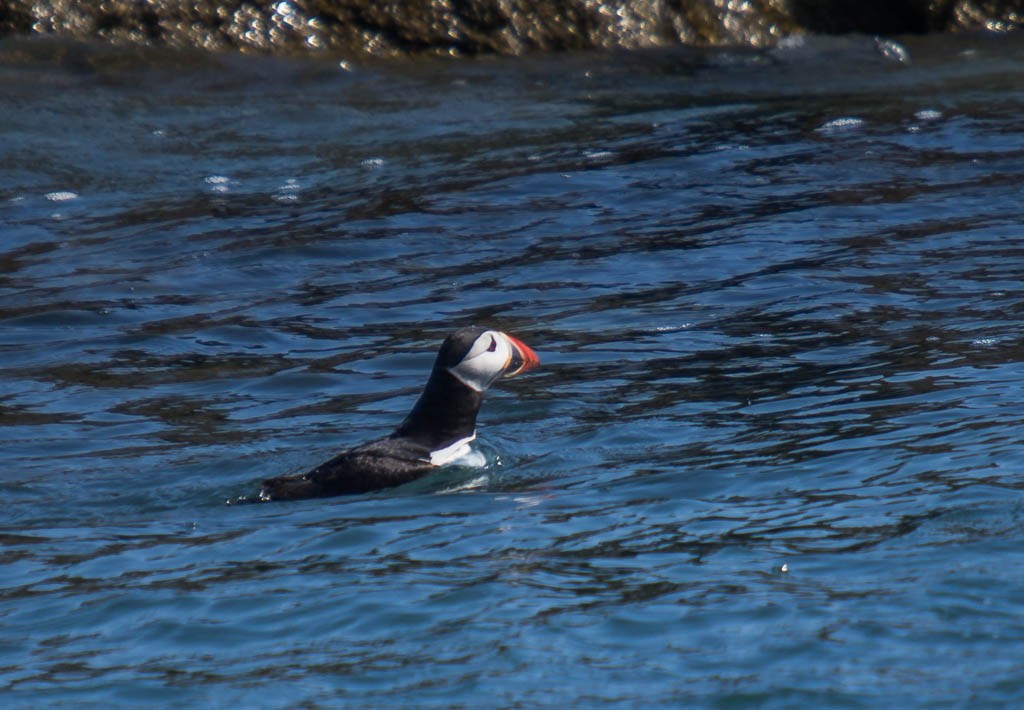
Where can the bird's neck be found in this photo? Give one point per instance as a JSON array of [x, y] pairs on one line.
[[444, 413]]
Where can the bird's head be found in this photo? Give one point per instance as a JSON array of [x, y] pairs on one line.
[[477, 357]]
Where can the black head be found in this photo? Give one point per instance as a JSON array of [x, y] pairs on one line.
[[456, 346], [478, 356]]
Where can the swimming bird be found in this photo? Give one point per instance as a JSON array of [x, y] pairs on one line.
[[438, 430]]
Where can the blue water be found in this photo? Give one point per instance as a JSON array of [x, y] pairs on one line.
[[772, 457]]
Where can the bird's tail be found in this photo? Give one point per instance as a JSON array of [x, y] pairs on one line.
[[288, 488]]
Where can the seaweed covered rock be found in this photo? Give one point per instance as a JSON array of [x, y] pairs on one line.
[[468, 27]]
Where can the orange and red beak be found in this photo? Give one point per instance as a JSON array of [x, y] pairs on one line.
[[523, 358]]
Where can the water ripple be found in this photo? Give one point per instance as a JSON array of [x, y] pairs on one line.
[[772, 451]]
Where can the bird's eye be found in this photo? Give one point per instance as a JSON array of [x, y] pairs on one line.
[[493, 346]]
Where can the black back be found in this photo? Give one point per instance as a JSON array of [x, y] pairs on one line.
[[368, 467]]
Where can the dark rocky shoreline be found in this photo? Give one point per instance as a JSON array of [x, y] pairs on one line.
[[471, 27]]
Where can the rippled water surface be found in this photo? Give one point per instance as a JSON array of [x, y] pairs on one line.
[[772, 457]]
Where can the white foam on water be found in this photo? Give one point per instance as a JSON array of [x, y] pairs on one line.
[[61, 196], [218, 183], [845, 123]]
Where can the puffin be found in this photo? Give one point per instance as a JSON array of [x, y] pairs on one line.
[[437, 431]]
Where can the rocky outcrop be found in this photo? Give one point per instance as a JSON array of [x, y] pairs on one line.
[[468, 27]]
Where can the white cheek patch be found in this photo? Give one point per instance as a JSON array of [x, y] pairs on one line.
[[482, 366], [462, 378]]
